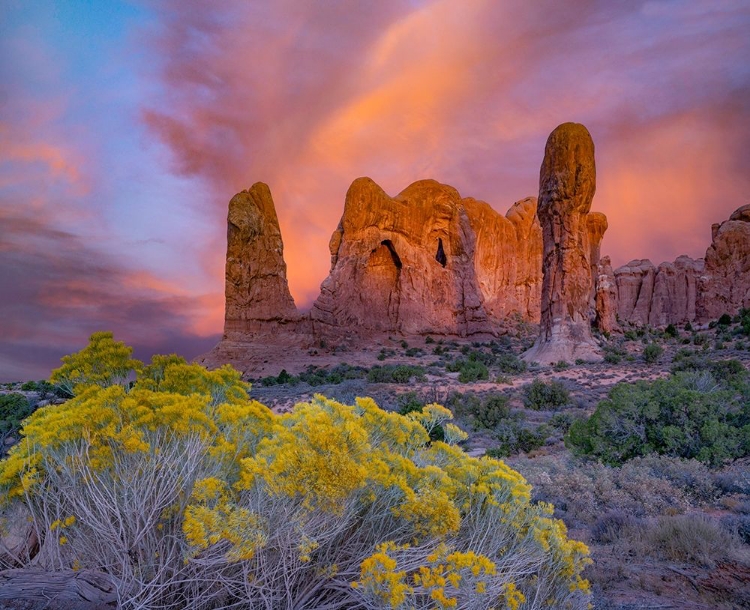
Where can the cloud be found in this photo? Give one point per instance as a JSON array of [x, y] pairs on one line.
[[464, 92], [59, 290]]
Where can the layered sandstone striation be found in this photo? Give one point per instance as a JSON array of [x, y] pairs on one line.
[[567, 183], [428, 261], [256, 289]]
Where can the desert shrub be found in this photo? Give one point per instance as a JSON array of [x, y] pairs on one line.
[[612, 525], [473, 371], [671, 331], [583, 490], [29, 386], [492, 410], [560, 365], [738, 526], [724, 320], [699, 339], [409, 403], [562, 421], [693, 538], [732, 371], [14, 408], [395, 373], [468, 370], [515, 437], [482, 412], [745, 320], [689, 415], [189, 494], [316, 376], [103, 362], [613, 354], [545, 395], [652, 352], [510, 363], [464, 404]]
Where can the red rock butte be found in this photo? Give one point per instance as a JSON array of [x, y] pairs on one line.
[[431, 262]]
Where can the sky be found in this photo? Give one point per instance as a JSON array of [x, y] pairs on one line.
[[126, 127]]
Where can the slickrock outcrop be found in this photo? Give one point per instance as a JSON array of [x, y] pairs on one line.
[[606, 297], [567, 182], [256, 289], [724, 286], [427, 261]]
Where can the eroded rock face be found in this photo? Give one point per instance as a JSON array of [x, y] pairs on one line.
[[567, 183], [635, 287], [675, 292], [426, 261], [724, 286], [606, 297], [256, 289], [690, 290]]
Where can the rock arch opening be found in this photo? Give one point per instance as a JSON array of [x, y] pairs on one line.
[[440, 257], [394, 255]]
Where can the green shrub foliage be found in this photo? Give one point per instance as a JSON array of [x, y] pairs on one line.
[[692, 414], [545, 395]]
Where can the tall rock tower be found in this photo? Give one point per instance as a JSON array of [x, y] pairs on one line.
[[256, 289], [567, 182]]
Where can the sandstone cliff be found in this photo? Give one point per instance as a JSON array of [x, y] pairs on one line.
[[431, 261], [428, 261]]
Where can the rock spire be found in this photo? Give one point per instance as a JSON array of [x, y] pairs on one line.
[[567, 182], [256, 289]]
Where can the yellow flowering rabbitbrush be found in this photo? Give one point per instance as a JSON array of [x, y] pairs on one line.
[[187, 493]]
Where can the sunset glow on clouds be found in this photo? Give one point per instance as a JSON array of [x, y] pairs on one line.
[[125, 129]]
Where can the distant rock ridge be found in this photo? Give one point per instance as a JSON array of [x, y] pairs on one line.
[[685, 290], [429, 261]]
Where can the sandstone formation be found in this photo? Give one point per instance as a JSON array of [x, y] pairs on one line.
[[256, 289], [428, 261], [675, 292], [690, 290], [724, 286], [635, 288], [567, 182], [658, 296], [606, 298], [596, 226]]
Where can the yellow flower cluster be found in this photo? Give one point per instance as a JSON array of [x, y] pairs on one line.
[[380, 580]]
